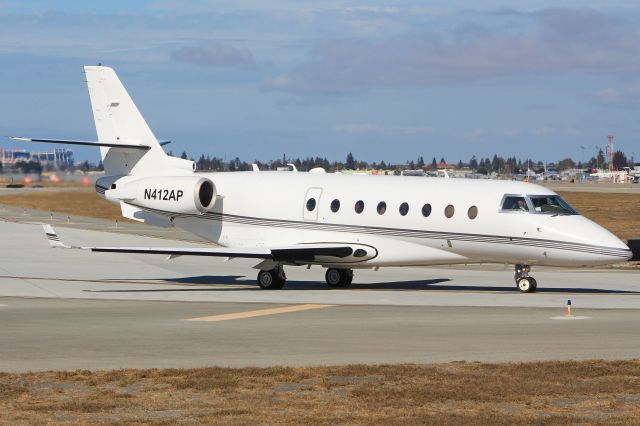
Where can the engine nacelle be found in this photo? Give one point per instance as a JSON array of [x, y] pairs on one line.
[[177, 194]]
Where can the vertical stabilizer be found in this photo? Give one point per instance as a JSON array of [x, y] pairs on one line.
[[118, 121]]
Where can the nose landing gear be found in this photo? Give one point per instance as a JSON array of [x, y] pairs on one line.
[[525, 283], [273, 279]]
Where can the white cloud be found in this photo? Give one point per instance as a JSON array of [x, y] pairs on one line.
[[553, 42], [544, 131], [215, 55], [371, 128]]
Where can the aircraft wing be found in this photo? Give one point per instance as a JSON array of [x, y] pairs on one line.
[[316, 252]]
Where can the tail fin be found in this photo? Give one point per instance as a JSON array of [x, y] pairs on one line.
[[118, 121]]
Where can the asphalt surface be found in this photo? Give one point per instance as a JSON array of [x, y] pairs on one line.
[[69, 309], [43, 334]]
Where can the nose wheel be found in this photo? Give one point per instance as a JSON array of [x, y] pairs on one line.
[[339, 277], [273, 279], [524, 282]]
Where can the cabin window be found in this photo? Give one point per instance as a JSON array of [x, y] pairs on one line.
[[551, 204], [382, 207], [449, 211], [472, 212], [515, 204], [311, 204], [426, 210], [359, 207], [335, 205], [404, 209]]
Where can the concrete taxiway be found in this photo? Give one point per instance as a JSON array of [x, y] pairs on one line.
[[67, 309]]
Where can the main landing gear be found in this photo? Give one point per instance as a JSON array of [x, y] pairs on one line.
[[339, 277], [525, 283], [273, 279]]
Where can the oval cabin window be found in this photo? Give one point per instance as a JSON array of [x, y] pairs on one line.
[[473, 212], [311, 204], [359, 206], [335, 205], [449, 211], [404, 209], [426, 210], [382, 207]]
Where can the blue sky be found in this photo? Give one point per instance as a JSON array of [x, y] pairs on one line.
[[385, 80]]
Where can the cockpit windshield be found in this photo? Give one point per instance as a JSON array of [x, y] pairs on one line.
[[551, 204], [515, 204]]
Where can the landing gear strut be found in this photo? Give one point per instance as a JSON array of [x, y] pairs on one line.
[[339, 277], [525, 283], [273, 279]]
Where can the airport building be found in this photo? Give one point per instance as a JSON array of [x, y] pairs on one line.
[[58, 158]]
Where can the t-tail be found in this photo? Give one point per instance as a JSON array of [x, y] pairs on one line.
[[127, 144]]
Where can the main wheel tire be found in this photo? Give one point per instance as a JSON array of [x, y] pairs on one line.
[[534, 283], [338, 277], [271, 280], [525, 285], [334, 277]]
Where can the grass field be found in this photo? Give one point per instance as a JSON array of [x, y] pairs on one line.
[[548, 393], [620, 213]]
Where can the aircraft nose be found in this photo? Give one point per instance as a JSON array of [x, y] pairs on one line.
[[634, 246], [615, 246]]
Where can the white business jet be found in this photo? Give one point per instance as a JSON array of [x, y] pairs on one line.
[[340, 222]]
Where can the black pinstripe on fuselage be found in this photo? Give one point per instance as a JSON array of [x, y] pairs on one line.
[[402, 232]]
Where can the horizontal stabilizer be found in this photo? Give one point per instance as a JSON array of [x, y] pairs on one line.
[[53, 238], [86, 143]]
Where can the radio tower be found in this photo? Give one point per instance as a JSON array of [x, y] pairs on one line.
[[610, 152]]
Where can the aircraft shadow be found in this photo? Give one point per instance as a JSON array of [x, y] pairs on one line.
[[239, 283]]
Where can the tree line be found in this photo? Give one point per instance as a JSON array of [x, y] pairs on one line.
[[487, 165]]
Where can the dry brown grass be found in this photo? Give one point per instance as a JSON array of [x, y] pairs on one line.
[[619, 213], [80, 202], [548, 393]]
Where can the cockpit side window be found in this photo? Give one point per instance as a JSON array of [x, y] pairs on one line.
[[515, 204], [551, 204]]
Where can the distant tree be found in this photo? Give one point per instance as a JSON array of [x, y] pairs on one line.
[[420, 163], [184, 155], [460, 165], [482, 170], [29, 167], [473, 163], [442, 161], [600, 159], [434, 164], [350, 163], [619, 160], [567, 163]]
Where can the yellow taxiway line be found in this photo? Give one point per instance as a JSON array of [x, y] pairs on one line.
[[260, 312]]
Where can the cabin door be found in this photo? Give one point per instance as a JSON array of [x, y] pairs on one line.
[[311, 204]]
